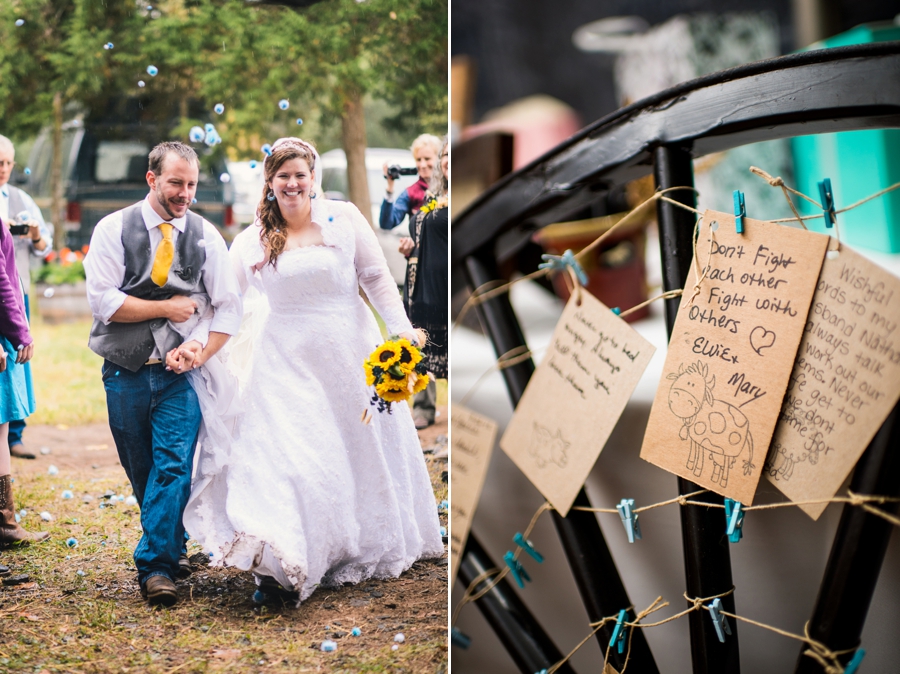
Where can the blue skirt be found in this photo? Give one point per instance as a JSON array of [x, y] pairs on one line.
[[16, 391]]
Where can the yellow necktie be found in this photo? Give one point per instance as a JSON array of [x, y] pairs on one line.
[[164, 254]]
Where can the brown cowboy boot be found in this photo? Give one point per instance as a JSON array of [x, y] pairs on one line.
[[10, 531]]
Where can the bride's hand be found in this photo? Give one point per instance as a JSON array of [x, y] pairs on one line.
[[418, 337], [174, 361], [191, 354]]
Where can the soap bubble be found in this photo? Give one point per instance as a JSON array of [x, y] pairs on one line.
[[253, 163], [23, 512], [20, 22], [259, 597], [152, 71], [27, 171], [49, 292], [46, 516], [131, 500], [299, 122], [209, 128], [141, 84], [196, 134], [212, 138], [219, 108], [443, 531], [67, 494], [399, 638], [284, 104], [225, 178], [355, 632], [202, 243], [193, 201], [394, 647], [108, 46], [266, 149], [328, 646], [52, 470], [72, 542]]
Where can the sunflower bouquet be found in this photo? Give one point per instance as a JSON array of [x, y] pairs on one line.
[[396, 371]]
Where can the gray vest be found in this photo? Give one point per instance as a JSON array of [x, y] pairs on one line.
[[22, 246], [129, 345]]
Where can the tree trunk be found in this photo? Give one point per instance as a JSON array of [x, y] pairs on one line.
[[57, 203], [353, 137]]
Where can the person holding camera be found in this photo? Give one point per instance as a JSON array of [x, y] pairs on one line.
[[31, 237], [425, 151]]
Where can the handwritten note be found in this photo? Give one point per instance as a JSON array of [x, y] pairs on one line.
[[731, 353], [472, 442], [846, 380], [574, 398]]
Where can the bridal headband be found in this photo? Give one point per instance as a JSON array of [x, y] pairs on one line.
[[293, 142]]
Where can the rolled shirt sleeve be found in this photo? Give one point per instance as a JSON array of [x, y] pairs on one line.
[[221, 285], [46, 233], [104, 267]]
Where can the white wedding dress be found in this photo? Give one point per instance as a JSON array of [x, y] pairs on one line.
[[294, 485]]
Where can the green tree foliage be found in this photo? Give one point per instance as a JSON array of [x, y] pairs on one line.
[[325, 59]]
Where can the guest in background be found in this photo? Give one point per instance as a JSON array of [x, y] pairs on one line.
[[37, 242], [427, 288], [425, 150]]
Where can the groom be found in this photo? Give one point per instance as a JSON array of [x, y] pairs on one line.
[[151, 268]]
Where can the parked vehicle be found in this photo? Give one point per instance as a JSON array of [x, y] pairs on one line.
[[334, 183], [105, 166]]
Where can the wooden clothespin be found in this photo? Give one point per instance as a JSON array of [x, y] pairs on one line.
[[620, 631], [734, 516], [740, 211], [826, 194], [720, 622], [519, 574], [629, 519], [526, 545]]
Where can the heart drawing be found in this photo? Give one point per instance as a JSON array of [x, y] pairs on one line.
[[760, 339]]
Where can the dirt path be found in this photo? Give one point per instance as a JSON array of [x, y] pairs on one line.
[[79, 609]]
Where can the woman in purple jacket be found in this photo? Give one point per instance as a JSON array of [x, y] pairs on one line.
[[16, 396]]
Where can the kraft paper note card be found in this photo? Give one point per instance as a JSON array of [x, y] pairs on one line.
[[472, 442], [574, 398], [732, 351], [845, 382]]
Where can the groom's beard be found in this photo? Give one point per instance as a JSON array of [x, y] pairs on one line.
[[165, 204]]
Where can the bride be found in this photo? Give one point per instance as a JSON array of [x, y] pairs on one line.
[[295, 487]]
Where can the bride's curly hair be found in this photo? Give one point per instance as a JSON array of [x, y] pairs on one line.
[[272, 234]]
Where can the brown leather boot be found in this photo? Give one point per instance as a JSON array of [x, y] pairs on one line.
[[10, 531]]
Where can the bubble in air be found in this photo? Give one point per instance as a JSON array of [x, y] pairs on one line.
[[193, 201], [46, 516], [202, 243], [196, 134], [219, 108], [266, 149], [225, 178], [52, 470], [253, 163], [20, 22], [284, 104], [141, 84], [152, 71], [71, 543], [27, 171], [49, 292], [399, 637], [299, 122], [108, 46], [130, 500]]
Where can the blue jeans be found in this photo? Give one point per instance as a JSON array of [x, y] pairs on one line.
[[154, 417]]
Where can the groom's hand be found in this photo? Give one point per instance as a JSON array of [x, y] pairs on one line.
[[179, 308], [191, 354]]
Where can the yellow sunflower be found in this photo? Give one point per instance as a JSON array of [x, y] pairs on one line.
[[409, 356], [420, 384], [392, 391], [386, 355], [370, 376]]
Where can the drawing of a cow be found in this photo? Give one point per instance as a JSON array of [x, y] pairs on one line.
[[713, 427]]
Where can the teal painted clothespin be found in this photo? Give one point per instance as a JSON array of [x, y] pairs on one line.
[[857, 658], [460, 639], [734, 516], [620, 631], [526, 545], [560, 262], [516, 569], [616, 310], [740, 211], [720, 622], [826, 194], [629, 519]]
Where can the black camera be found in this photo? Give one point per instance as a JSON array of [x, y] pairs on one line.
[[396, 171]]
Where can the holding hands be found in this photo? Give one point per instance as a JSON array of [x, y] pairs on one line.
[[188, 356]]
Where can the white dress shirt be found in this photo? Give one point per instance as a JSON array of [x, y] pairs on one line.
[[104, 266], [25, 245]]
